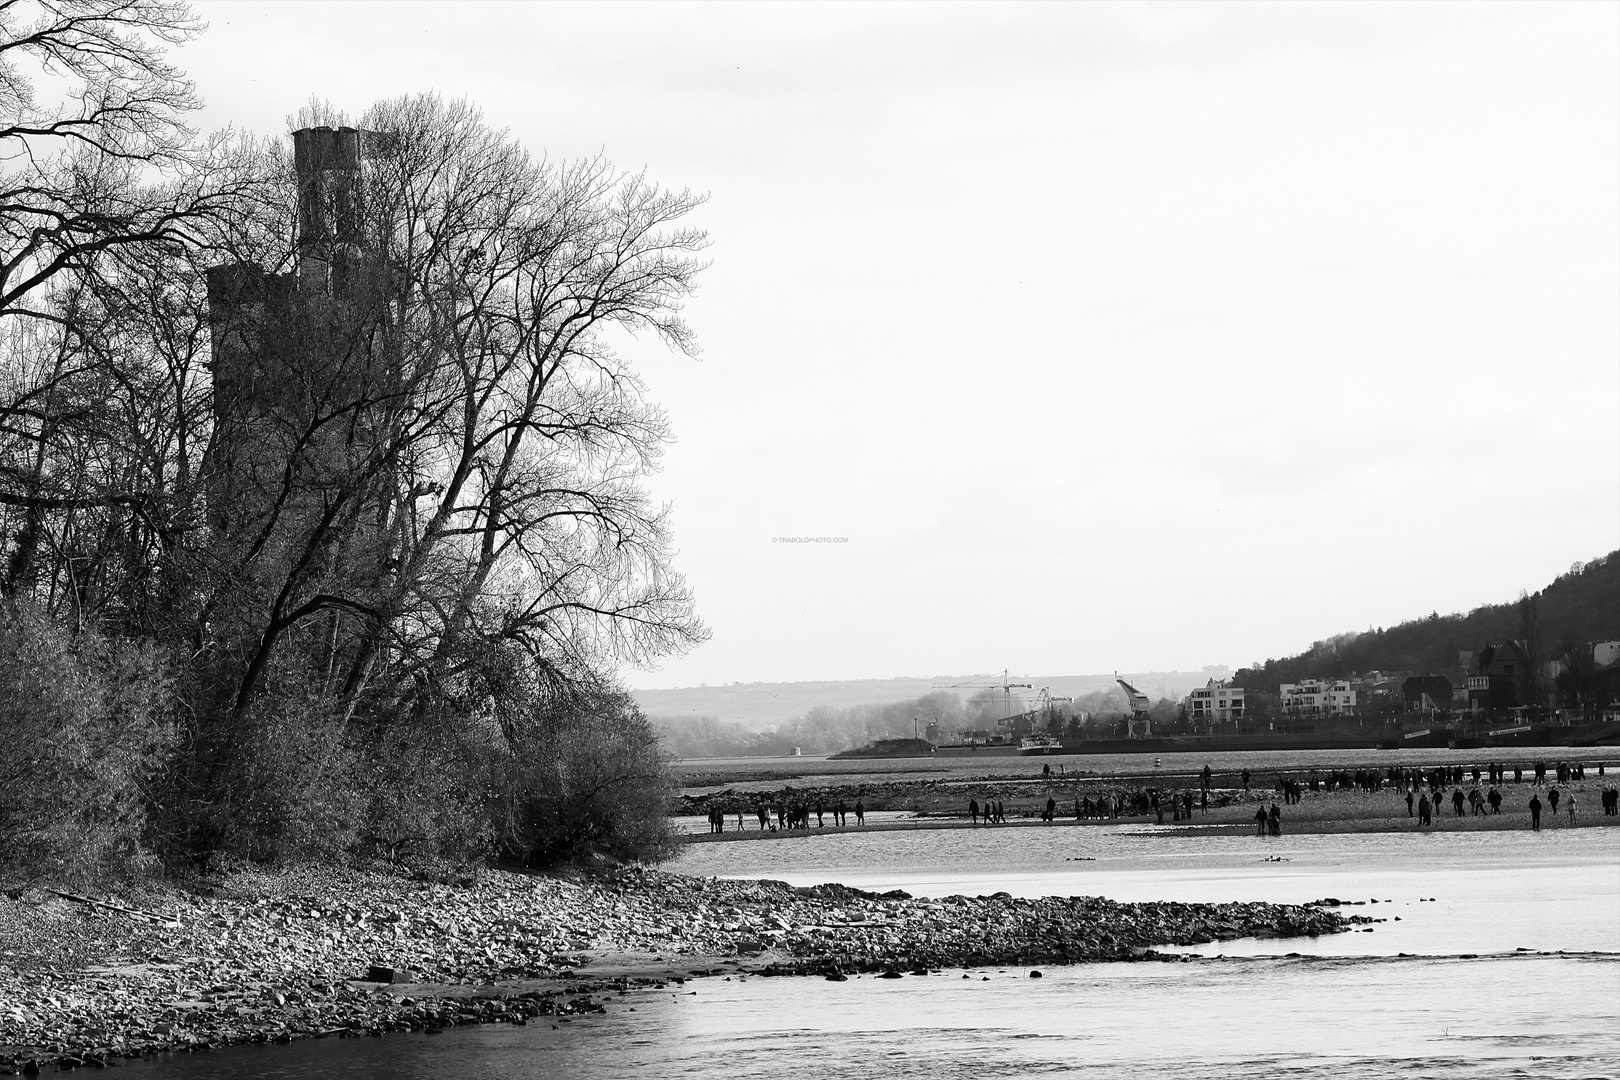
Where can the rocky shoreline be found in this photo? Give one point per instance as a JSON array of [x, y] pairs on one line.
[[259, 956]]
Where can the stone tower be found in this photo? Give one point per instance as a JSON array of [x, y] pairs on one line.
[[295, 362]]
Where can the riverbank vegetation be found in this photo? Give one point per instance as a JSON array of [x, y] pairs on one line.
[[322, 517]]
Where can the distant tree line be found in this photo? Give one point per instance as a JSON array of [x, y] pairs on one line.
[[362, 597], [819, 731], [825, 730]]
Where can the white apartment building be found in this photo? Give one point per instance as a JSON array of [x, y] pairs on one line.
[[1314, 697], [1216, 702]]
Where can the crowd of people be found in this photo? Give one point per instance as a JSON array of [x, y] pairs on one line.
[[1474, 791], [785, 815]]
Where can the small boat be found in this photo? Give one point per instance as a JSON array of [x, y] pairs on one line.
[[1040, 744]]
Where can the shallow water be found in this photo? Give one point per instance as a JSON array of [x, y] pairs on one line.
[[1454, 892], [1527, 1016], [1349, 1002]]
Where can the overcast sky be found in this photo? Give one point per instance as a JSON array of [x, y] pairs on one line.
[[1098, 336]]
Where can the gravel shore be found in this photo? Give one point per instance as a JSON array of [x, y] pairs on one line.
[[273, 956]]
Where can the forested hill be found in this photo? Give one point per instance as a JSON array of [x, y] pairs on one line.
[[1582, 605]]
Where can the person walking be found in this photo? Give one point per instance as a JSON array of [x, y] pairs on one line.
[[1535, 812], [1408, 804], [1260, 821], [1274, 821], [973, 810], [1424, 809], [1569, 801]]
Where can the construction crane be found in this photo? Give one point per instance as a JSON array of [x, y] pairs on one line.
[[1006, 686], [1140, 725]]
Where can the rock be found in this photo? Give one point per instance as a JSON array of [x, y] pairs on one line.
[[379, 974]]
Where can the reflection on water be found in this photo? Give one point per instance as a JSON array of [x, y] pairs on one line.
[[1351, 1004]]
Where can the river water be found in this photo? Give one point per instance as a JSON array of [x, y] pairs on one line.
[[1500, 956]]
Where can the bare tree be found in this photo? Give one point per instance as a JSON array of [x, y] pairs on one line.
[[105, 199], [105, 421], [462, 466], [380, 463], [70, 164]]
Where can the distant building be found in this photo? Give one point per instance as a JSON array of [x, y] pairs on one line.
[[1427, 693], [1313, 697], [1501, 679], [1378, 692], [1217, 702]]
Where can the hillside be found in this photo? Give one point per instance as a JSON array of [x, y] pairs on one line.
[[1582, 605]]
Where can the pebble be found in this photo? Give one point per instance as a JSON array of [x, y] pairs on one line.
[[318, 951]]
